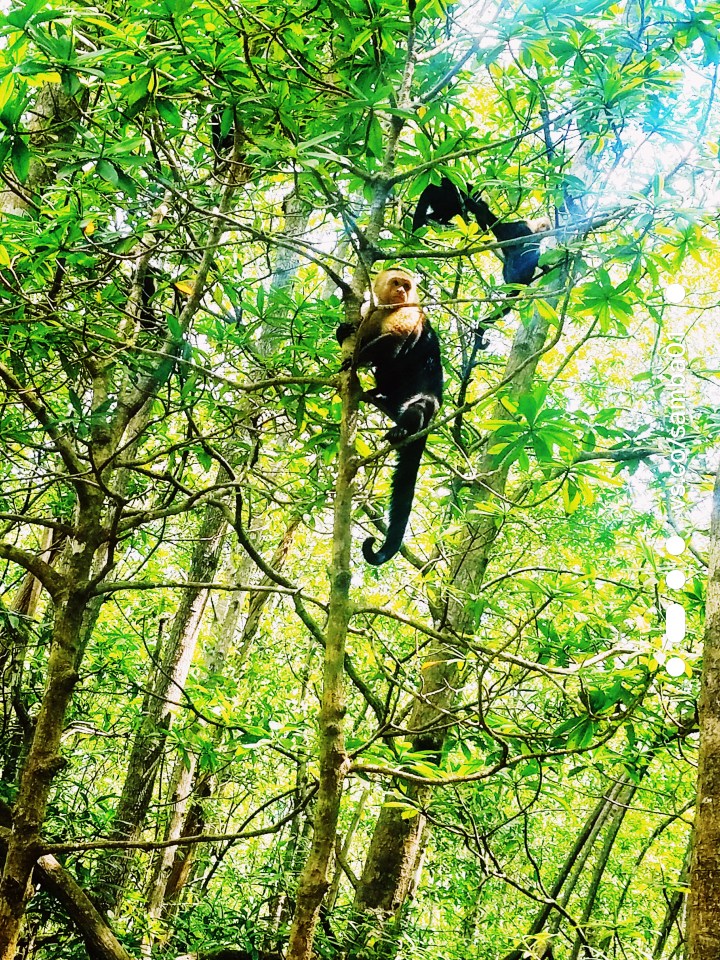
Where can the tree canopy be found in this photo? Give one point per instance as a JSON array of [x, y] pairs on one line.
[[222, 733]]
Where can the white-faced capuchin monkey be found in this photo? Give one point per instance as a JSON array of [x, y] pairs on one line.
[[520, 252], [395, 339], [441, 202]]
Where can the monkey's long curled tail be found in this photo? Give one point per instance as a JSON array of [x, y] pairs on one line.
[[401, 499]]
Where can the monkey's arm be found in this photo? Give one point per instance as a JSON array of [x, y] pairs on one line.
[[438, 202], [344, 331], [379, 400], [481, 211], [425, 205]]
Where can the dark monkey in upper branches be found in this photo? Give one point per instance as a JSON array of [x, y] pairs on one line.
[[397, 341], [441, 202]]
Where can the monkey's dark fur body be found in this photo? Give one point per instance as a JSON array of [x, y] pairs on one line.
[[520, 258], [397, 341], [441, 202]]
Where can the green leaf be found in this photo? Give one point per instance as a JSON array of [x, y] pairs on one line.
[[20, 159], [174, 326], [375, 138], [107, 171], [7, 90], [135, 91], [169, 112], [126, 183], [20, 18]]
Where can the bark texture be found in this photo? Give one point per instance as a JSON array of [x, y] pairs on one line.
[[703, 916], [101, 942], [43, 757], [85, 472], [315, 880], [53, 122], [51, 875]]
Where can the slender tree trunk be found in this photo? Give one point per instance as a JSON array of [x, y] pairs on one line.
[[16, 725], [279, 901], [703, 917], [159, 708], [53, 878], [173, 865], [616, 819], [278, 318], [43, 758], [185, 858], [53, 120], [89, 555], [184, 800], [346, 847], [101, 942], [574, 866], [672, 918], [314, 880], [182, 779]]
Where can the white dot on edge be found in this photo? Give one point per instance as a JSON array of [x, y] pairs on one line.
[[674, 293], [675, 545], [675, 623], [675, 579], [675, 666]]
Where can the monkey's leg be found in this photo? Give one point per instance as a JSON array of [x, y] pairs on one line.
[[415, 416]]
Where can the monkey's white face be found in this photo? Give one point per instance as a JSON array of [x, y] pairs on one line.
[[395, 287], [540, 225]]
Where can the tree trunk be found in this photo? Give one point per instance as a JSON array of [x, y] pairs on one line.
[[173, 866], [16, 725], [280, 898], [345, 852], [88, 557], [43, 758], [616, 818], [185, 781], [101, 942], [703, 920], [159, 707], [53, 121], [675, 901], [314, 880], [278, 318]]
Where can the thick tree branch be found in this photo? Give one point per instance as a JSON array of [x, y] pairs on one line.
[[41, 570]]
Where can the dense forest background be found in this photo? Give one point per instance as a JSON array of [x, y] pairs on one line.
[[222, 733]]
